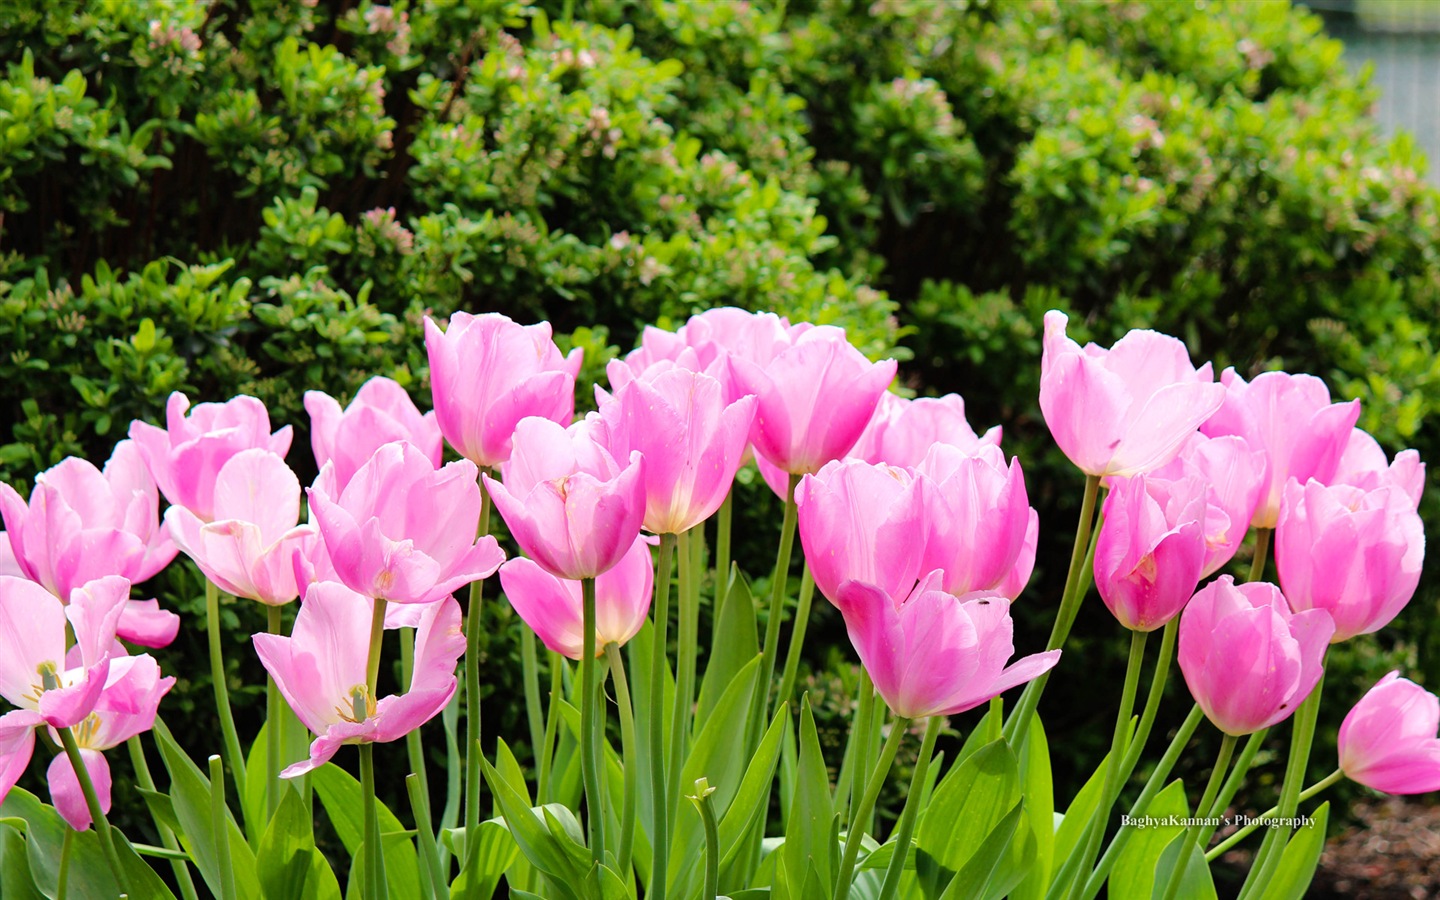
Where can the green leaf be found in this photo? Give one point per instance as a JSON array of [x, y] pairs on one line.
[[141, 878], [753, 797], [284, 859], [339, 792], [980, 869], [496, 853], [44, 838], [535, 838], [734, 643], [1039, 811], [968, 805], [1134, 872], [810, 832], [1297, 866], [1195, 882], [15, 878]]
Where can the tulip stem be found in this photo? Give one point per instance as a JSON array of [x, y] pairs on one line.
[[722, 547], [220, 830], [660, 810], [233, 754], [62, 881], [374, 861], [415, 750], [1264, 819], [167, 837], [274, 728], [552, 716], [589, 736], [761, 703], [473, 632], [906, 827], [687, 638], [703, 806], [1212, 787], [1262, 551], [1232, 784], [1152, 701], [434, 879], [797, 636], [860, 740], [530, 667], [1077, 583], [627, 749], [867, 803], [92, 802]]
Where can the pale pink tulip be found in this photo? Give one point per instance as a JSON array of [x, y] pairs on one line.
[[321, 670], [1236, 475], [903, 431], [861, 522], [569, 505], [249, 549], [1290, 418], [1364, 465], [976, 516], [1014, 584], [487, 373], [1354, 553], [402, 530], [1126, 410], [932, 654], [382, 412], [1150, 552], [1388, 742], [1248, 660], [552, 607], [185, 456]]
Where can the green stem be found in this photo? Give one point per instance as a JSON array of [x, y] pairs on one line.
[[687, 647], [701, 798], [1152, 700], [415, 751], [860, 740], [62, 884], [1077, 583], [1232, 784], [867, 804], [722, 547], [374, 855], [552, 722], [233, 754], [1262, 548], [660, 810], [1264, 818], [797, 636], [429, 849], [167, 837], [589, 737], [761, 703], [92, 802], [219, 829], [454, 773], [628, 750], [906, 827], [1212, 787], [530, 667], [274, 728], [473, 635]]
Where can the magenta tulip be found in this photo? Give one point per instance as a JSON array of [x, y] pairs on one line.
[[903, 431], [1290, 418], [861, 522], [249, 549], [382, 412], [185, 457], [1247, 659], [1151, 549], [932, 654], [692, 441], [569, 505], [1014, 583], [402, 530], [1353, 553], [1126, 410], [321, 670], [1236, 475], [1364, 465], [552, 606], [1388, 742], [976, 516], [487, 373]]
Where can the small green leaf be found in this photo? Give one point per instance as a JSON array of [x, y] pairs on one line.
[[980, 869], [810, 832], [968, 805], [339, 792], [15, 878], [1297, 866], [1134, 872], [734, 644], [283, 858]]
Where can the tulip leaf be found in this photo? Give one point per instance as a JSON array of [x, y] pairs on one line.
[[978, 875], [1039, 811], [44, 838], [284, 858], [639, 651], [15, 878], [530, 829], [339, 793], [734, 643], [142, 879], [968, 805], [810, 833], [753, 796], [1133, 874], [1195, 881], [160, 808], [1297, 866], [497, 852]]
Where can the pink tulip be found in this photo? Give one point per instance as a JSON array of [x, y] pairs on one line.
[[932, 654], [552, 606], [186, 455], [321, 670], [1151, 549], [861, 522], [1387, 742], [1236, 475], [707, 342], [249, 549], [1247, 659], [381, 412], [9, 565], [1353, 553], [569, 505], [1126, 410], [402, 530], [814, 399], [658, 346], [1364, 465], [691, 438], [488, 373], [976, 516], [903, 431], [83, 523], [1014, 584], [1291, 418]]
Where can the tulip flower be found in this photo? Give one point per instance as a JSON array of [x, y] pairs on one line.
[[861, 522], [1126, 410], [1364, 465], [83, 523], [552, 606], [932, 654], [402, 530], [1353, 553], [903, 431], [1014, 583], [321, 671], [976, 517], [1236, 475], [249, 549], [1388, 742], [691, 438], [488, 373], [1291, 418], [382, 412], [569, 505], [1248, 660], [185, 456], [1151, 549]]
